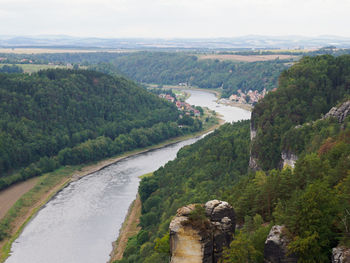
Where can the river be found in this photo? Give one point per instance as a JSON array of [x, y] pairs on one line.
[[80, 223]]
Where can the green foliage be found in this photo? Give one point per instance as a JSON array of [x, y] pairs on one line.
[[142, 237], [162, 245], [248, 244], [131, 246], [310, 216], [197, 218], [241, 250]]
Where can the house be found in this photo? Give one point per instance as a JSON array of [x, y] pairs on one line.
[[170, 98], [233, 97]]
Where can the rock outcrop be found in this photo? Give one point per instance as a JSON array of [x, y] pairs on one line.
[[253, 161], [339, 113], [288, 159], [252, 132], [275, 250], [341, 254], [192, 244]]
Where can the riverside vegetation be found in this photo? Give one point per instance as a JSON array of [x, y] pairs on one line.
[[55, 118], [312, 200]]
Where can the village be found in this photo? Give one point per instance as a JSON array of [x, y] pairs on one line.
[[181, 106], [250, 97]]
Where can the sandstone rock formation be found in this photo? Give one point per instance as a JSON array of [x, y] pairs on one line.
[[341, 254], [339, 113], [275, 250], [252, 132], [253, 162], [288, 159], [192, 244]]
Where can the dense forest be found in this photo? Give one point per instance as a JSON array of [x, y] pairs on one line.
[[59, 117], [312, 200]]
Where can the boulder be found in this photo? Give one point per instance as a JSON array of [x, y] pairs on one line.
[[192, 244], [275, 250]]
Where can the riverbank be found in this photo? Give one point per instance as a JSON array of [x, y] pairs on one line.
[[10, 195], [129, 228], [244, 106], [49, 184]]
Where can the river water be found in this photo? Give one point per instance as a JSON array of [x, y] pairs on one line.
[[79, 224]]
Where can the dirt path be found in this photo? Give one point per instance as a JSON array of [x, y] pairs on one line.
[[10, 195], [129, 228]]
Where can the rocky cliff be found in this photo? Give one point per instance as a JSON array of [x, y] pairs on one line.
[[340, 113], [192, 242]]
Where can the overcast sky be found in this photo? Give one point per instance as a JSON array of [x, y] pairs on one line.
[[175, 18]]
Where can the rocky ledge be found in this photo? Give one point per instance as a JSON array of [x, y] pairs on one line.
[[191, 243]]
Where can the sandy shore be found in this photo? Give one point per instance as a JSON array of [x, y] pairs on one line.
[[129, 228], [10, 195]]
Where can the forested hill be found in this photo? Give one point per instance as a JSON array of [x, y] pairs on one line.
[[311, 201], [306, 91], [58, 117], [174, 68]]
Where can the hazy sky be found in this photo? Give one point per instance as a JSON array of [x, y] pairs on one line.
[[175, 18]]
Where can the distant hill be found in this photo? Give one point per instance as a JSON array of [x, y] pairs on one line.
[[242, 42]]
